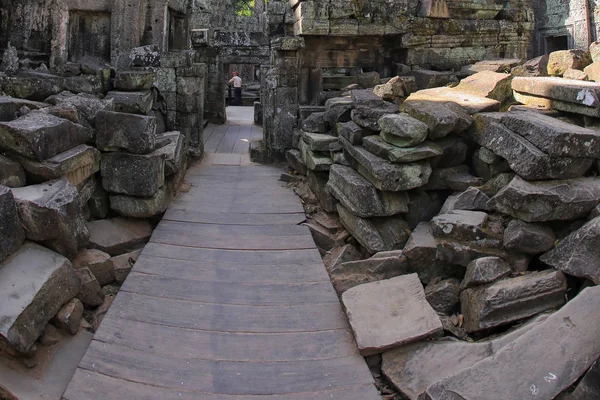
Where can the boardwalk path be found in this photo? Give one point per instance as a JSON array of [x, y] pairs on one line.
[[229, 301]]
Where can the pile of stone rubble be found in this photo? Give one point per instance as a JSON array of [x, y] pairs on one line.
[[461, 238], [80, 176]]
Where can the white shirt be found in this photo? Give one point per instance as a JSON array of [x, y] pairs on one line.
[[237, 81]]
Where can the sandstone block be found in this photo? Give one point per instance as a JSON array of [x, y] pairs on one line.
[[562, 60], [40, 136], [566, 90], [9, 106], [353, 132], [314, 161], [34, 284], [470, 102], [528, 238], [123, 265], [119, 131], [131, 102], [493, 85], [366, 98], [133, 174], [90, 291], [134, 80], [98, 262], [376, 145], [441, 118], [389, 313], [318, 141], [485, 270], [11, 173], [11, 232], [592, 71], [383, 265], [367, 116], [117, 236], [402, 130], [69, 316], [393, 90], [142, 207]]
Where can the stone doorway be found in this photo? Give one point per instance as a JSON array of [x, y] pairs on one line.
[[250, 74], [89, 34]]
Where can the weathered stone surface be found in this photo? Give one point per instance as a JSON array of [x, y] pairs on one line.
[[142, 207], [524, 363], [426, 79], [174, 151], [131, 102], [485, 270], [318, 141], [441, 118], [98, 262], [443, 295], [537, 66], [134, 80], [314, 161], [145, 56], [366, 98], [51, 213], [117, 236], [98, 204], [383, 265], [375, 234], [523, 157], [562, 60], [119, 131], [512, 299], [9, 106], [462, 253], [376, 145], [123, 265], [133, 174], [402, 130], [528, 238], [383, 174], [496, 183], [353, 132], [471, 199], [470, 102], [486, 169], [11, 173], [576, 74], [589, 386], [565, 90], [592, 71], [463, 181], [423, 206], [553, 136], [389, 313], [578, 254], [547, 200], [368, 79], [90, 291], [438, 180], [465, 226], [315, 123], [421, 247], [76, 165], [40, 136], [11, 232], [317, 181], [10, 61], [294, 159], [392, 91], [455, 152], [88, 106], [360, 197], [493, 85], [65, 111], [338, 109], [367, 116], [69, 316], [35, 282]]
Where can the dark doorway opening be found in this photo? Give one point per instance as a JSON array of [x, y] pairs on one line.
[[555, 43], [89, 35], [178, 35]]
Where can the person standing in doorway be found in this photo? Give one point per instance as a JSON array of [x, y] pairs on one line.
[[237, 88]]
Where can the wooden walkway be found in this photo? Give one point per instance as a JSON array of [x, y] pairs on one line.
[[229, 301]]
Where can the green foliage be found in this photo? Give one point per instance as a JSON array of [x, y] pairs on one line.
[[244, 8]]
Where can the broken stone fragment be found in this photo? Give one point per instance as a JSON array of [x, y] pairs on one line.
[[471, 199], [524, 364], [383, 174], [376, 145], [314, 161], [51, 213], [360, 197], [539, 201], [317, 181], [470, 102], [76, 164], [134, 80], [442, 118], [367, 116], [123, 265], [463, 180], [576, 74], [402, 130], [98, 262], [88, 106], [40, 136], [315, 123], [462, 253], [493, 85], [393, 90], [443, 295], [69, 316], [65, 111], [528, 238], [512, 299], [34, 284], [375, 234], [352, 132], [485, 270], [466, 226], [366, 98], [578, 254], [133, 174], [117, 236], [90, 292], [338, 109], [11, 232], [131, 102], [142, 207], [119, 131], [318, 141], [421, 247], [389, 313], [455, 151], [174, 151], [562, 60]]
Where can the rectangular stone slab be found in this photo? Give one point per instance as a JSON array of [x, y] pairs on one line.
[[318, 141], [34, 284], [526, 369], [568, 90], [553, 104], [471, 103], [133, 174], [174, 152], [11, 232], [119, 131], [376, 145]]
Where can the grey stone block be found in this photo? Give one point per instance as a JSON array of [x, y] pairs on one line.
[[133, 174], [119, 131], [12, 234]]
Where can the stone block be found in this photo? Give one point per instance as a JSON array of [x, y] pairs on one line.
[[443, 295], [560, 90], [119, 131], [528, 238], [133, 174], [539, 201], [34, 284], [439, 178], [9, 106], [402, 130], [366, 98], [315, 123], [98, 204], [77, 165], [11, 232], [368, 79], [318, 141], [422, 151], [428, 79], [51, 214], [134, 80], [69, 316], [117, 236], [11, 173], [123, 265], [589, 386], [88, 106], [90, 291], [389, 313], [132, 102], [576, 74], [455, 151], [338, 109], [360, 197], [142, 207], [423, 206], [471, 199], [98, 262], [485, 270], [562, 60], [375, 234], [317, 181], [367, 116], [465, 226], [314, 161], [352, 132], [493, 85], [173, 151], [393, 90], [512, 299], [470, 102], [441, 118], [40, 136], [383, 174], [294, 159], [383, 265]]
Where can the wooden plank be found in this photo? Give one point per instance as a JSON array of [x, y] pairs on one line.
[[253, 171], [238, 208], [225, 346], [210, 271], [226, 159], [276, 196], [226, 145], [242, 144], [226, 377], [88, 385], [212, 143], [234, 230], [174, 214], [229, 292], [271, 257], [228, 318]]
